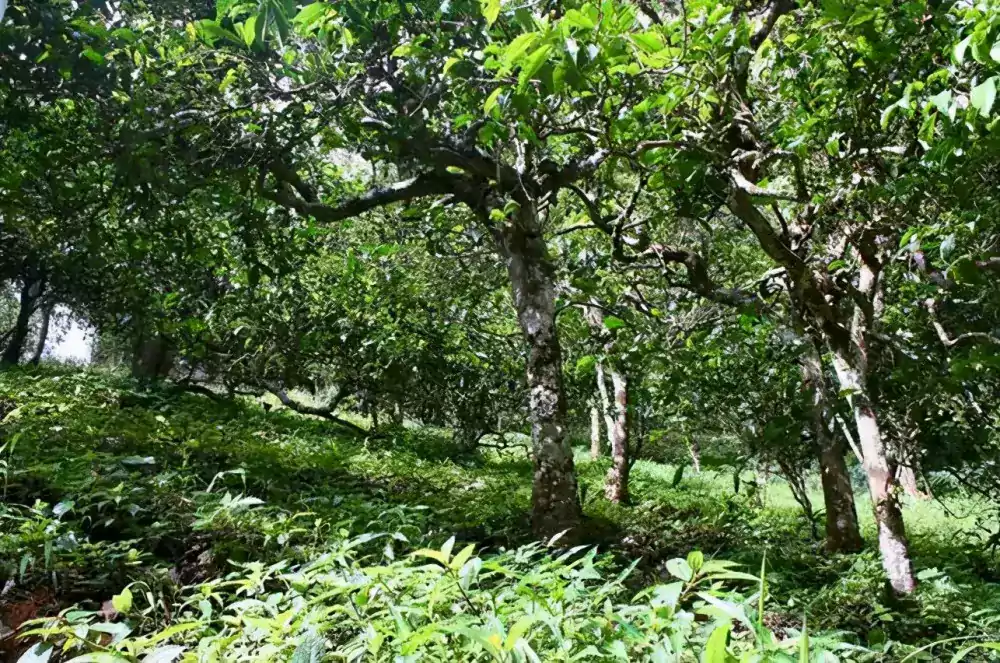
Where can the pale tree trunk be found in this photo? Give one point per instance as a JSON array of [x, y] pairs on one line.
[[43, 335], [695, 450], [907, 477], [602, 391], [554, 497], [31, 290], [616, 483], [842, 531], [851, 365], [595, 433]]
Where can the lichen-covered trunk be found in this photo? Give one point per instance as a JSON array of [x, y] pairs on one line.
[[882, 484], [602, 392], [595, 432], [616, 483], [30, 292], [842, 531], [43, 335], [555, 502]]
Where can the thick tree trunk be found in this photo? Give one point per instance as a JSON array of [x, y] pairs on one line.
[[842, 531], [554, 497], [595, 432], [881, 476], [153, 358], [616, 483], [43, 335], [30, 292], [602, 391]]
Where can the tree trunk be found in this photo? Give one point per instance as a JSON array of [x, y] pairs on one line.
[[43, 335], [616, 483], [907, 477], [695, 450], [595, 432], [842, 531], [153, 358], [602, 391], [30, 292], [881, 476], [555, 501]]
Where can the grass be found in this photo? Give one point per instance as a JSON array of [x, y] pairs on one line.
[[105, 485]]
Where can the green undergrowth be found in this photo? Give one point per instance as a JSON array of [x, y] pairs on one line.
[[159, 525]]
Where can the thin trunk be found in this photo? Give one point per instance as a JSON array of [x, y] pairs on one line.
[[695, 450], [554, 497], [842, 531], [616, 483], [43, 335], [602, 390], [881, 478], [851, 364], [30, 292], [595, 433]]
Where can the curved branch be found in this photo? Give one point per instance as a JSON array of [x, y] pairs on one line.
[[289, 195]]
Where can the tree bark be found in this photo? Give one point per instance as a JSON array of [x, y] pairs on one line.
[[153, 358], [842, 531], [595, 432], [695, 450], [850, 360], [602, 390], [554, 497], [616, 483], [881, 475], [43, 335], [907, 476], [31, 290]]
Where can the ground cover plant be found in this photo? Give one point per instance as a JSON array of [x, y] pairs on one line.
[[499, 330]]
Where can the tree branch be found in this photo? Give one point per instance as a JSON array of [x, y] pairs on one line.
[[289, 195]]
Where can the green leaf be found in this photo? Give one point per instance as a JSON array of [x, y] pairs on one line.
[[310, 649], [577, 19], [310, 14], [649, 41], [518, 630], [436, 555], [941, 101], [613, 322], [491, 10], [715, 648], [960, 49], [695, 560], [491, 101], [462, 557], [947, 246], [249, 31], [532, 64], [983, 95], [40, 653], [995, 52], [518, 48], [680, 569], [122, 602], [93, 56]]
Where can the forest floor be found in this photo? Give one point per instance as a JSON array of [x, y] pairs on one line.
[[104, 485]]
